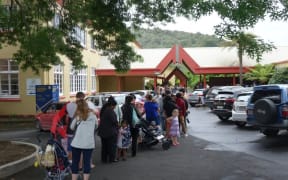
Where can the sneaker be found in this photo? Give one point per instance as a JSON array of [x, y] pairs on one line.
[[186, 135]]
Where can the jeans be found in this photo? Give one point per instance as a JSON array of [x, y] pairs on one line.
[[76, 155]]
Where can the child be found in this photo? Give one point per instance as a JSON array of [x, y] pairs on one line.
[[174, 132], [153, 127], [124, 140]]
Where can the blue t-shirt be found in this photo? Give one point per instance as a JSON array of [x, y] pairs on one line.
[[151, 110]]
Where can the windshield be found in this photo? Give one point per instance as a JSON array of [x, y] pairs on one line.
[[274, 95]]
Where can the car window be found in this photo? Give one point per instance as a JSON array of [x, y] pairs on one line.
[[214, 91], [94, 100], [197, 92], [274, 95], [120, 99], [225, 92], [243, 97]]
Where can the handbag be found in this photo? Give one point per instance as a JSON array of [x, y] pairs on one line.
[[48, 158]]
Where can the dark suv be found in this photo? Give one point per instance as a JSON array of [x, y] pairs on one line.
[[223, 101], [268, 108], [213, 92]]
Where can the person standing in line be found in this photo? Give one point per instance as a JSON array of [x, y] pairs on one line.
[[130, 114], [151, 109], [182, 112], [185, 99], [174, 132], [84, 140], [124, 140], [108, 131], [168, 106], [71, 110], [159, 99]]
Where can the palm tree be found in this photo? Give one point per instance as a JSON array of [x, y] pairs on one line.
[[260, 73], [247, 43]]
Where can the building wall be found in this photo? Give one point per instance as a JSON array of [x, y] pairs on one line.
[[110, 83], [133, 83], [25, 104]]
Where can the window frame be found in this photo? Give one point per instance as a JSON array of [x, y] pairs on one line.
[[93, 87], [9, 72], [59, 77], [78, 80]]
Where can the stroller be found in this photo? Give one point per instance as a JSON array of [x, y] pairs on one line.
[[54, 157], [60, 168], [152, 136]]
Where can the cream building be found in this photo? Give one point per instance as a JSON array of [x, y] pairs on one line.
[[17, 87]]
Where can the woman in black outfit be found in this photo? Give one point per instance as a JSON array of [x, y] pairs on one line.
[[108, 131], [127, 110]]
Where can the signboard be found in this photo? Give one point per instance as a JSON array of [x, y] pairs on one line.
[[45, 95], [31, 85]]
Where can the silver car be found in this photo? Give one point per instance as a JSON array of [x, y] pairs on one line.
[[239, 115], [196, 97]]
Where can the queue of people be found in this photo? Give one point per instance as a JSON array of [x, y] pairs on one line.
[[119, 131]]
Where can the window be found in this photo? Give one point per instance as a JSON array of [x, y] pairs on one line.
[[58, 77], [92, 43], [78, 80], [56, 20], [80, 35], [93, 80], [9, 81]]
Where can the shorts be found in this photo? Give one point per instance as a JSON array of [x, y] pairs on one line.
[[69, 141]]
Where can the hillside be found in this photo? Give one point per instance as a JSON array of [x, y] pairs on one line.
[[158, 38]]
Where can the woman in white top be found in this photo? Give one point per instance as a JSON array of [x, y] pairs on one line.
[[83, 141]]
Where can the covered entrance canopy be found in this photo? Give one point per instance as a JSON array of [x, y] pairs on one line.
[[200, 61]]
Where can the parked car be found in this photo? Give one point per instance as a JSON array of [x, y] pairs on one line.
[[143, 93], [43, 119], [268, 108], [100, 99], [196, 97], [210, 95], [239, 115], [223, 102]]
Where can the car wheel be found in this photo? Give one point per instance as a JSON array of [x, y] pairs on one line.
[[38, 125], [270, 132], [223, 118], [265, 111], [240, 124]]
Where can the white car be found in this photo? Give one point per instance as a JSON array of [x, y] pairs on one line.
[[196, 97], [239, 115]]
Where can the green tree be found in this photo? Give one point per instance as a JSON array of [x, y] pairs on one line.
[[279, 76], [112, 24], [260, 73], [246, 44]]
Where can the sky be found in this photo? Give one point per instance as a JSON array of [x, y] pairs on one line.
[[276, 32]]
